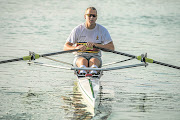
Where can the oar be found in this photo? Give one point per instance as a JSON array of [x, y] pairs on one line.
[[138, 57], [34, 56]]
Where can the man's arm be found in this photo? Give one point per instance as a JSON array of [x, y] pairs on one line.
[[109, 46], [69, 46]]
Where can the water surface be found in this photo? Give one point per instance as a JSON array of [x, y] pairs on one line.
[[136, 27]]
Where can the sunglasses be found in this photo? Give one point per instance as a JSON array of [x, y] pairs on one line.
[[89, 15]]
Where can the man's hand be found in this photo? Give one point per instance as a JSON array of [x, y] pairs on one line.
[[90, 45], [81, 47]]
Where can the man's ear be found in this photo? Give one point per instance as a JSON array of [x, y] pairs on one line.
[[84, 16]]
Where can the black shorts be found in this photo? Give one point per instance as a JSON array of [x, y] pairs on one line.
[[88, 58]]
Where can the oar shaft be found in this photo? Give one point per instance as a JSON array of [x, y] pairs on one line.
[[138, 57], [116, 52], [165, 64], [36, 56], [12, 60], [56, 53]]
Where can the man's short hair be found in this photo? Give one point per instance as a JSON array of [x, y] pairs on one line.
[[91, 8]]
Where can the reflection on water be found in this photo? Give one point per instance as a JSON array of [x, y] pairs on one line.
[[76, 107]]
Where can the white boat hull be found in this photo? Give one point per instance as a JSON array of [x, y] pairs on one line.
[[89, 87]]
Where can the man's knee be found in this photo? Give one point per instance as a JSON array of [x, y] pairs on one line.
[[94, 61], [81, 61]]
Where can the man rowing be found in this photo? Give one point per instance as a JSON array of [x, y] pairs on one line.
[[84, 37]]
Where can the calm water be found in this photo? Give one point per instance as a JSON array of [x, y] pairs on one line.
[[40, 93]]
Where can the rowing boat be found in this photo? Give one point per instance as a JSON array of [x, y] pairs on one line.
[[89, 87], [89, 84]]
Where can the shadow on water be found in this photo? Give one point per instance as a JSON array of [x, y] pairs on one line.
[[76, 108]]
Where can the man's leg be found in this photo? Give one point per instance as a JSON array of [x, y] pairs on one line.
[[81, 61], [94, 61]]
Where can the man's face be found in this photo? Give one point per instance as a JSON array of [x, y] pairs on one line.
[[90, 16]]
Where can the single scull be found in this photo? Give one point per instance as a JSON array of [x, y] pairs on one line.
[[89, 87], [89, 84]]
